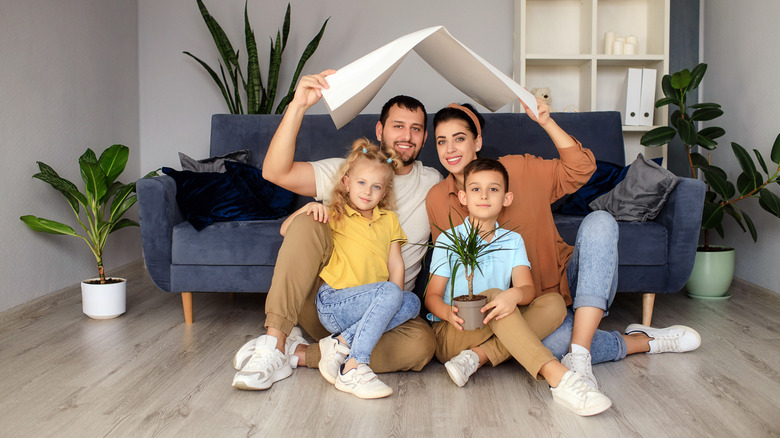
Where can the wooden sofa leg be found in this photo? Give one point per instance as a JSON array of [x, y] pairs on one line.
[[647, 308], [186, 301]]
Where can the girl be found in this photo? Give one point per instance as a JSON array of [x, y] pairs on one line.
[[362, 295]]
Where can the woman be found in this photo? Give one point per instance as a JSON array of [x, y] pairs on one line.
[[586, 274]]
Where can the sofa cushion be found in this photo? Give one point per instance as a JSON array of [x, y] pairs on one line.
[[641, 195], [214, 164], [280, 201], [640, 243], [242, 243]]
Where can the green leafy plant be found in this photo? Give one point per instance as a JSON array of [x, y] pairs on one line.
[[722, 195], [467, 248], [104, 200], [259, 98]]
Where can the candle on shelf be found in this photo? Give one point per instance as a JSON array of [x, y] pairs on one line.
[[632, 39], [629, 49], [617, 47], [609, 40]]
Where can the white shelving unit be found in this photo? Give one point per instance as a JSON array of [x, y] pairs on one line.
[[560, 44]]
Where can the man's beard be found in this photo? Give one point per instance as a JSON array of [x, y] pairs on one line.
[[411, 159]]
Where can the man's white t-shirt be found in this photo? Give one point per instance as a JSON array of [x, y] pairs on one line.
[[410, 191]]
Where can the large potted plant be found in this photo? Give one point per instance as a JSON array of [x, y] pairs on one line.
[[103, 203], [259, 98], [714, 266], [466, 250]]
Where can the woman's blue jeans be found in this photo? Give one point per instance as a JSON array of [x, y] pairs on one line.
[[361, 314], [593, 273]]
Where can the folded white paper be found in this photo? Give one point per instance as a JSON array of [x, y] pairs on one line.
[[353, 86]]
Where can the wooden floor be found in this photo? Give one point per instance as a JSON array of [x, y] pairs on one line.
[[148, 374]]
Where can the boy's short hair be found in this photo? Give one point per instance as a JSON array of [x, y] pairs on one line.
[[486, 164]]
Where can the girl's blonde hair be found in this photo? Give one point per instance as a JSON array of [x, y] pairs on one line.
[[362, 148]]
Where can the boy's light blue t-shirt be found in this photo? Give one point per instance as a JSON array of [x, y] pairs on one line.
[[496, 267]]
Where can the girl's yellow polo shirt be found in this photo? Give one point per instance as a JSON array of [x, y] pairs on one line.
[[361, 247]]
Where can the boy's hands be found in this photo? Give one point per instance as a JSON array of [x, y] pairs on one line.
[[502, 305], [318, 212], [454, 319]]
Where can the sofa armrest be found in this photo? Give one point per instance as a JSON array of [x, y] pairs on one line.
[[158, 213], [681, 216]]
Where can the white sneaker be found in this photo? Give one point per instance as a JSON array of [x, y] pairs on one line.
[[266, 366], [674, 339], [577, 396], [363, 383], [582, 364], [245, 352], [332, 355], [462, 366]]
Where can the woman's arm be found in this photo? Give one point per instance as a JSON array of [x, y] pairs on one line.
[[395, 264], [520, 294], [318, 211], [434, 301]]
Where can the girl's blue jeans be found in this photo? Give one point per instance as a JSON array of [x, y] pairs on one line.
[[593, 274], [361, 314]]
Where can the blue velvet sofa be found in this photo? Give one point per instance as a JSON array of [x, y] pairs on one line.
[[655, 256]]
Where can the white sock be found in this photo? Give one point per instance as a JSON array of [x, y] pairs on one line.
[[579, 349]]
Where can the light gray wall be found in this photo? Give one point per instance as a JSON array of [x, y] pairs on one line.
[[69, 75], [743, 56], [178, 97]]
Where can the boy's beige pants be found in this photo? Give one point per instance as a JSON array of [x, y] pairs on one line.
[[517, 335]]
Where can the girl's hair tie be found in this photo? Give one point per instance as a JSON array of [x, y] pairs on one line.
[[389, 161], [365, 151]]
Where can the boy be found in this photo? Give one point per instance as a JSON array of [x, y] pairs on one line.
[[506, 332]]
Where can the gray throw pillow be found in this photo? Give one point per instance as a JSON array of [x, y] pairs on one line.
[[214, 164], [641, 195]]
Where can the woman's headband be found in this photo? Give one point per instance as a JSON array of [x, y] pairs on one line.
[[470, 114]]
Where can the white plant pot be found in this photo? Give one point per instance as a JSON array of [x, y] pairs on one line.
[[104, 301]]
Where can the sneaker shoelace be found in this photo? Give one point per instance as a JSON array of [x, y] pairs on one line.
[[666, 343], [260, 361], [468, 364], [579, 387]]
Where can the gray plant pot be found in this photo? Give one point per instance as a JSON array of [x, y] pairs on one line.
[[469, 311]]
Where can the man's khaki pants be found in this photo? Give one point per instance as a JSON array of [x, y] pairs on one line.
[[306, 249]]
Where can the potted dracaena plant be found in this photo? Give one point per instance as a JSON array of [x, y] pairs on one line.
[[259, 98], [714, 266], [98, 210], [466, 250]]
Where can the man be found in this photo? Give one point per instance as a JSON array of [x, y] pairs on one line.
[[308, 244]]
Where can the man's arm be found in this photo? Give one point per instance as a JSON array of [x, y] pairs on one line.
[[279, 166]]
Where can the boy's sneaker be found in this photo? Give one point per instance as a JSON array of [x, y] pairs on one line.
[[363, 383], [266, 366], [462, 366], [581, 363], [332, 355], [577, 396], [674, 339], [245, 352]]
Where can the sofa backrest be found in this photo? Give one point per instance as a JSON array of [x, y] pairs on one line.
[[504, 134]]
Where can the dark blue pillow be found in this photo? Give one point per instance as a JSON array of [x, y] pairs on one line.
[[606, 177], [207, 197], [280, 201]]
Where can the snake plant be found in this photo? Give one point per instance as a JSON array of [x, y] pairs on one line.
[[259, 98]]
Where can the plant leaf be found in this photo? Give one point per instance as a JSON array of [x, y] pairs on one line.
[[706, 143], [254, 82], [775, 154], [274, 65], [668, 89], [93, 176], [712, 132], [687, 131], [221, 40], [731, 211], [697, 74], [47, 226], [704, 105], [122, 202], [751, 227], [712, 216], [705, 114], [216, 79], [307, 53], [67, 188], [720, 185], [761, 161], [769, 201], [747, 165], [113, 161], [122, 224], [286, 27], [658, 136], [667, 101]]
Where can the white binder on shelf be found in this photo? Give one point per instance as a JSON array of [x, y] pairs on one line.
[[647, 99], [633, 96]]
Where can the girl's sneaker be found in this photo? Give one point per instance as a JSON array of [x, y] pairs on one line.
[[333, 354], [363, 383]]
